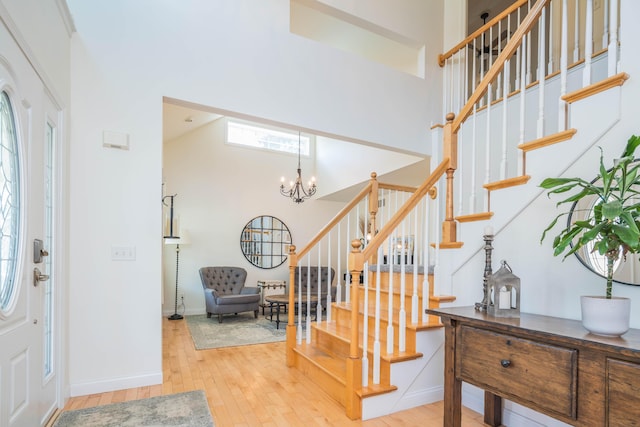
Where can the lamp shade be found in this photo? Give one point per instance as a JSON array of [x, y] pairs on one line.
[[182, 239]]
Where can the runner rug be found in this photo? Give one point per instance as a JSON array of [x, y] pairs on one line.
[[242, 329], [182, 409]]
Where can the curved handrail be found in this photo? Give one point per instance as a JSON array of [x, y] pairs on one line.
[[448, 54], [506, 53]]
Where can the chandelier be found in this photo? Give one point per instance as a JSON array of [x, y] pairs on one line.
[[296, 190]]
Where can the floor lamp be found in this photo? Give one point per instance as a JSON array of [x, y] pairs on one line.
[[182, 240]]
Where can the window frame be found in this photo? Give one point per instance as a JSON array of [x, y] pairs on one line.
[[305, 138]]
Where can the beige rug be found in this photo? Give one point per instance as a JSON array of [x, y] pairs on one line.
[[242, 329], [183, 409]]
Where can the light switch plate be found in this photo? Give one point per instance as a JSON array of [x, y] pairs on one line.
[[123, 253]]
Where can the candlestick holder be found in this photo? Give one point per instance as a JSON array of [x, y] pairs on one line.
[[484, 304]]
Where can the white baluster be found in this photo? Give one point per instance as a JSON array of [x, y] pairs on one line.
[[612, 52], [517, 84], [487, 157], [365, 328], [576, 30], [328, 316], [605, 25], [376, 340], [461, 172], [347, 282], [505, 101], [402, 321], [339, 267], [299, 297], [308, 330], [415, 300], [474, 148], [522, 103], [319, 305], [498, 45], [425, 263], [562, 109], [390, 264], [588, 45], [551, 40], [528, 61], [541, 69]]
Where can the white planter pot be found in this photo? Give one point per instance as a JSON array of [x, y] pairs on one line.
[[604, 316]]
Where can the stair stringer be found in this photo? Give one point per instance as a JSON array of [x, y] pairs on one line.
[[418, 381], [551, 161]]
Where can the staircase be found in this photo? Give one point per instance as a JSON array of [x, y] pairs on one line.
[[374, 349]]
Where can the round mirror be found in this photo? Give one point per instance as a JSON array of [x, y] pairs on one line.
[[627, 270], [265, 241]]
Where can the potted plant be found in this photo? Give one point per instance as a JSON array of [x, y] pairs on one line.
[[611, 227]]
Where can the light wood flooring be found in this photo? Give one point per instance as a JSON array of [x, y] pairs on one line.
[[251, 386]]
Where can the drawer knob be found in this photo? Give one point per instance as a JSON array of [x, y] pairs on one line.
[[505, 363]]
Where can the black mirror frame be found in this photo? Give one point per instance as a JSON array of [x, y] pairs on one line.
[[262, 251]]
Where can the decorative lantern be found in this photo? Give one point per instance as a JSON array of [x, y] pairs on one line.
[[504, 293]]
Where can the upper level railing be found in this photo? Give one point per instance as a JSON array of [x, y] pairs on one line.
[[568, 33], [517, 100]]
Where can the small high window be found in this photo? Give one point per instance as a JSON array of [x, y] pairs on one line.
[[267, 138]]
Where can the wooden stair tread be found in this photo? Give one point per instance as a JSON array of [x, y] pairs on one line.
[[448, 245], [343, 333], [548, 140], [375, 390], [506, 183], [384, 312], [336, 368], [384, 287], [608, 83], [482, 216]]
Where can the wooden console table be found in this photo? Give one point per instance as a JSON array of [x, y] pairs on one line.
[[548, 364]]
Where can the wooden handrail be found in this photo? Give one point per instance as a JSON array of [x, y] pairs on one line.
[[409, 205], [396, 187], [463, 44], [336, 219], [508, 51]]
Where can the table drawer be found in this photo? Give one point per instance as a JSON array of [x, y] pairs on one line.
[[521, 370], [623, 389]]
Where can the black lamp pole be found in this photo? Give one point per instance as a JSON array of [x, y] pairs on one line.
[[175, 315]]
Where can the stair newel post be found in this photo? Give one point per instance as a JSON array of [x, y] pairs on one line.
[[354, 362], [450, 151], [291, 326]]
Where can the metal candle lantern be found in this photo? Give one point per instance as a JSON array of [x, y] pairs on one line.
[[504, 292]]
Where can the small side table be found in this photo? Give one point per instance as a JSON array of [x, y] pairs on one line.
[[270, 287]]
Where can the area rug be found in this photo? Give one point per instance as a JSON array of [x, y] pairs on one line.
[[182, 409], [242, 329]]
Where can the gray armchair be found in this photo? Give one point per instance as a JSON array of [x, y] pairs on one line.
[[309, 277], [225, 293]]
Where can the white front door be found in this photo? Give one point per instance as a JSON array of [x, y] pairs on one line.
[[29, 322]]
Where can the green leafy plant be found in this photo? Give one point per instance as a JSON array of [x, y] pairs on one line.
[[613, 224]]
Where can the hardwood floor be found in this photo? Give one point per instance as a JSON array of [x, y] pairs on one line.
[[251, 386]]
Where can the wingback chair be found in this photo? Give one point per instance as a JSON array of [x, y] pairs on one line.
[[309, 277], [225, 293]]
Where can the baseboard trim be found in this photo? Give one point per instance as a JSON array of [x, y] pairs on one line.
[[83, 389]]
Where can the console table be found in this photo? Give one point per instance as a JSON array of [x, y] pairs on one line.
[[548, 364]]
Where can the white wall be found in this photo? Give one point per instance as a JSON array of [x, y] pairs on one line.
[[220, 188], [237, 56]]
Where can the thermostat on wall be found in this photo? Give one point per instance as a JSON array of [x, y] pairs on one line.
[[119, 140]]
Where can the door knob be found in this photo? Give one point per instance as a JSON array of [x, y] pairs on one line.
[[38, 276]]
